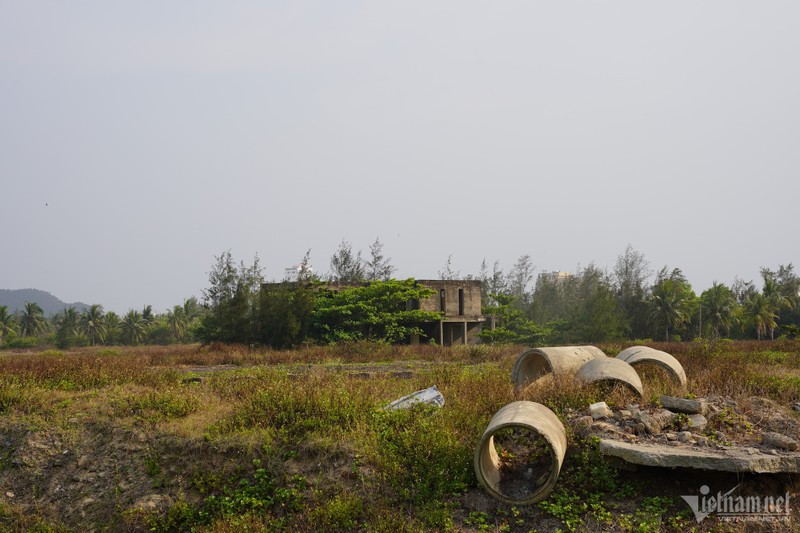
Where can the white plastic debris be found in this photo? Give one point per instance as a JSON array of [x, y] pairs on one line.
[[430, 396]]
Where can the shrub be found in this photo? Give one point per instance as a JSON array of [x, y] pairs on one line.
[[421, 456]]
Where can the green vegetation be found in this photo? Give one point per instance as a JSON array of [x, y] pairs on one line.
[[297, 440], [378, 311], [358, 300]]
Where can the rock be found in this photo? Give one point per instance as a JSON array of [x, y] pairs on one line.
[[600, 410], [10, 494], [605, 427], [685, 436], [656, 422], [582, 422], [701, 440], [622, 415], [671, 436], [682, 405], [796, 407], [777, 440], [697, 422]]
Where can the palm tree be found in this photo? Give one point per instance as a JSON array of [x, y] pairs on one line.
[[132, 327], [191, 309], [67, 321], [67, 325], [111, 321], [669, 305], [760, 310], [6, 323], [93, 323], [147, 314], [32, 320], [177, 320], [775, 297], [718, 308]]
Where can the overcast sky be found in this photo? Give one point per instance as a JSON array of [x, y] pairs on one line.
[[139, 140]]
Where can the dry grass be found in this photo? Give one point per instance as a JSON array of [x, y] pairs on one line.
[[206, 412]]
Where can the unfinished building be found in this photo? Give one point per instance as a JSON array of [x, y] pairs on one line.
[[459, 301]]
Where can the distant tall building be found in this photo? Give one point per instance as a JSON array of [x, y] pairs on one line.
[[555, 276], [293, 272]]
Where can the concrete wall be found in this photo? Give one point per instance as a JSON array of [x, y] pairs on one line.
[[453, 291]]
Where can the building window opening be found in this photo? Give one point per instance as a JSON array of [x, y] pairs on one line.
[[442, 301], [461, 302]]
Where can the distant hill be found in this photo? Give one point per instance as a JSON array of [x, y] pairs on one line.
[[15, 299]]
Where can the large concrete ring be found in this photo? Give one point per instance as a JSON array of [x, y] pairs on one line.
[[638, 355], [610, 369], [527, 415], [558, 360]]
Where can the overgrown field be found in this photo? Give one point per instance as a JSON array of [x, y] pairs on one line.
[[224, 438]]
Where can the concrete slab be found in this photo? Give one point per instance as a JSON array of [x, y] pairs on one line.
[[727, 460]]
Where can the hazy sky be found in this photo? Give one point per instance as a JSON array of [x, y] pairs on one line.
[[139, 140]]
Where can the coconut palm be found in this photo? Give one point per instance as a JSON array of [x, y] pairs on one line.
[[67, 321], [132, 327], [67, 326], [7, 324], [93, 323], [718, 307], [111, 321], [190, 308], [759, 309], [669, 305], [177, 321], [775, 297], [147, 314], [32, 320]]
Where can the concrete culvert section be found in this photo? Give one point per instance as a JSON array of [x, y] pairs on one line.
[[610, 370], [644, 355], [630, 351], [520, 454], [557, 360]]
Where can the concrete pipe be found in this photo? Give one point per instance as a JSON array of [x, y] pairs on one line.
[[559, 360], [610, 369], [519, 484], [641, 355], [630, 351]]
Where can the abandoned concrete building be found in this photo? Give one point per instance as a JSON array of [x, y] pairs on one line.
[[459, 301]]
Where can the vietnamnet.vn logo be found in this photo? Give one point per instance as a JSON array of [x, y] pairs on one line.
[[729, 507]]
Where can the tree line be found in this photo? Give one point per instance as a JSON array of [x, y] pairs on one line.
[[593, 305], [589, 305], [29, 326], [370, 305]]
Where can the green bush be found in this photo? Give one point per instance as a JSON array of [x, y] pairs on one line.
[[422, 457], [21, 343]]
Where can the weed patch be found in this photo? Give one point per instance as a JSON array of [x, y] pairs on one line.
[[155, 406], [421, 458]]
